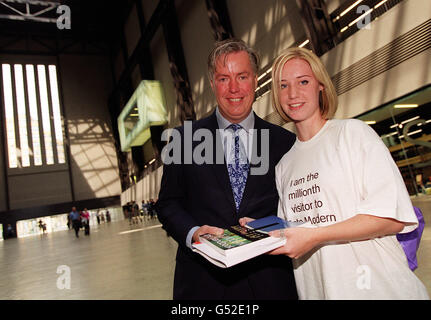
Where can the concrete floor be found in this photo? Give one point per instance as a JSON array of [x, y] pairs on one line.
[[116, 261]]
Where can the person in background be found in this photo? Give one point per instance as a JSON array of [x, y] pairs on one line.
[[151, 208], [10, 232], [154, 208], [85, 219], [136, 214], [69, 222], [340, 180], [42, 226], [75, 217], [144, 209]]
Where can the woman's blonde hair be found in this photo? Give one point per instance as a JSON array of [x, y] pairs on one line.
[[328, 101]]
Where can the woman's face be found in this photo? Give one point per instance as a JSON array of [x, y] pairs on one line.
[[299, 91]]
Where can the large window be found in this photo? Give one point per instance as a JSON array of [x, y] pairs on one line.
[[405, 127], [32, 113]]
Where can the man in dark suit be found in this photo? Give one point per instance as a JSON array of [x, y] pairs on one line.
[[207, 185]]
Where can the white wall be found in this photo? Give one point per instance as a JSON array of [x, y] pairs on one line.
[[269, 26], [396, 82], [144, 189]]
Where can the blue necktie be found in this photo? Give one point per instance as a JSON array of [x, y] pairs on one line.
[[237, 167]]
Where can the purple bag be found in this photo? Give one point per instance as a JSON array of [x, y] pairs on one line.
[[410, 241]]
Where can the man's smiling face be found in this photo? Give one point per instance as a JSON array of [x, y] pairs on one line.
[[234, 85]]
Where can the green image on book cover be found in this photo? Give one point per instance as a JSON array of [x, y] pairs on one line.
[[235, 237]]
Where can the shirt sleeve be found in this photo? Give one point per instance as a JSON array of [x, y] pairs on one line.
[[189, 237], [381, 186]]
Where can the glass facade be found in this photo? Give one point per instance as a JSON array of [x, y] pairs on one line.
[[405, 127], [54, 223], [33, 115]]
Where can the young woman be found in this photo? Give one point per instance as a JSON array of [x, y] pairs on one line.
[[340, 180]]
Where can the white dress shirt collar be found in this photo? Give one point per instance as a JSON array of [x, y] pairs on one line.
[[247, 124]]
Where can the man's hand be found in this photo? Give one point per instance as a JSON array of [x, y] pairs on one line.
[[206, 229], [243, 221]]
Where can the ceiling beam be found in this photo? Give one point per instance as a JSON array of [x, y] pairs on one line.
[[33, 10], [218, 15], [177, 64], [151, 28]]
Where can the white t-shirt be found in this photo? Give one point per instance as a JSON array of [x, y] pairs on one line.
[[344, 170]]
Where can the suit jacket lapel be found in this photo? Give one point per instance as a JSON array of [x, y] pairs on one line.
[[220, 169]]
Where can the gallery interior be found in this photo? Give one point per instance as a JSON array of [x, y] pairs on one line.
[[88, 88]]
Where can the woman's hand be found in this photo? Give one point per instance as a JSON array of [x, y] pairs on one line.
[[357, 228], [299, 241]]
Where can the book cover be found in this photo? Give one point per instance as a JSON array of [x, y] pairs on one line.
[[235, 245], [238, 244], [244, 254], [270, 223], [234, 237]]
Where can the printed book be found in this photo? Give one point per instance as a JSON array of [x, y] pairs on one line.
[[271, 223], [237, 244]]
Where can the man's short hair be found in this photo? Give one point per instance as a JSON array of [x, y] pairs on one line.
[[230, 46]]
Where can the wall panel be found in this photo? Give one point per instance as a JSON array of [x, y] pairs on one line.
[[93, 157], [39, 189], [395, 82]]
